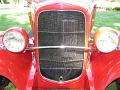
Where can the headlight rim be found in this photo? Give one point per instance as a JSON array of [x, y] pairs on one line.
[[23, 33], [102, 30]]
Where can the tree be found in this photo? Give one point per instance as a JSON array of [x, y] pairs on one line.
[[4, 2], [10, 1], [114, 0], [110, 0]]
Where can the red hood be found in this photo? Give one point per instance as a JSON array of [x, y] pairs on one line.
[[87, 4]]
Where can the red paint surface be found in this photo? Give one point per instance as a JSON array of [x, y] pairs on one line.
[[105, 68], [16, 67]]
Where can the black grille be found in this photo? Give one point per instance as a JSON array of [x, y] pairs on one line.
[[61, 28]]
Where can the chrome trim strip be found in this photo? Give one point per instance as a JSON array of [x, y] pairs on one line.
[[61, 47]]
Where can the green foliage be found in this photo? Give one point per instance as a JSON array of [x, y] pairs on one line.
[[110, 0], [109, 9], [113, 9], [10, 1], [113, 0]]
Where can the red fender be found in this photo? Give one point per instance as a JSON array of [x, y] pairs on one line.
[[18, 68], [105, 68]]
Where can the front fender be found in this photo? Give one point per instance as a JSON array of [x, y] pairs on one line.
[[18, 68], [105, 68]]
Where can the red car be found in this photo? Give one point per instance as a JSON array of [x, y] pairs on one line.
[[60, 54]]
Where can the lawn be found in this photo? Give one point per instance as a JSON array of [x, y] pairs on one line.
[[107, 18], [14, 20], [103, 18]]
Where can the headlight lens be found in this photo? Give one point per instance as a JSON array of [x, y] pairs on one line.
[[106, 39], [15, 39]]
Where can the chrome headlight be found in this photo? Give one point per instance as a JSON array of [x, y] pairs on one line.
[[15, 39], [106, 39]]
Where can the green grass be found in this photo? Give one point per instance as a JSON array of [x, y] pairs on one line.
[[103, 18], [10, 87], [14, 20], [107, 18], [112, 86]]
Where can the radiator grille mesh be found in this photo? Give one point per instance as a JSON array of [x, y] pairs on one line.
[[56, 28]]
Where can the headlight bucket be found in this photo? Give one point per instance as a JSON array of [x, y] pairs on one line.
[[15, 39], [106, 39]]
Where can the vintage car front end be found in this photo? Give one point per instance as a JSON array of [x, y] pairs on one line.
[[60, 53], [61, 33]]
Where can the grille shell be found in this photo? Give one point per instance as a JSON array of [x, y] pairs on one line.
[[56, 28]]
